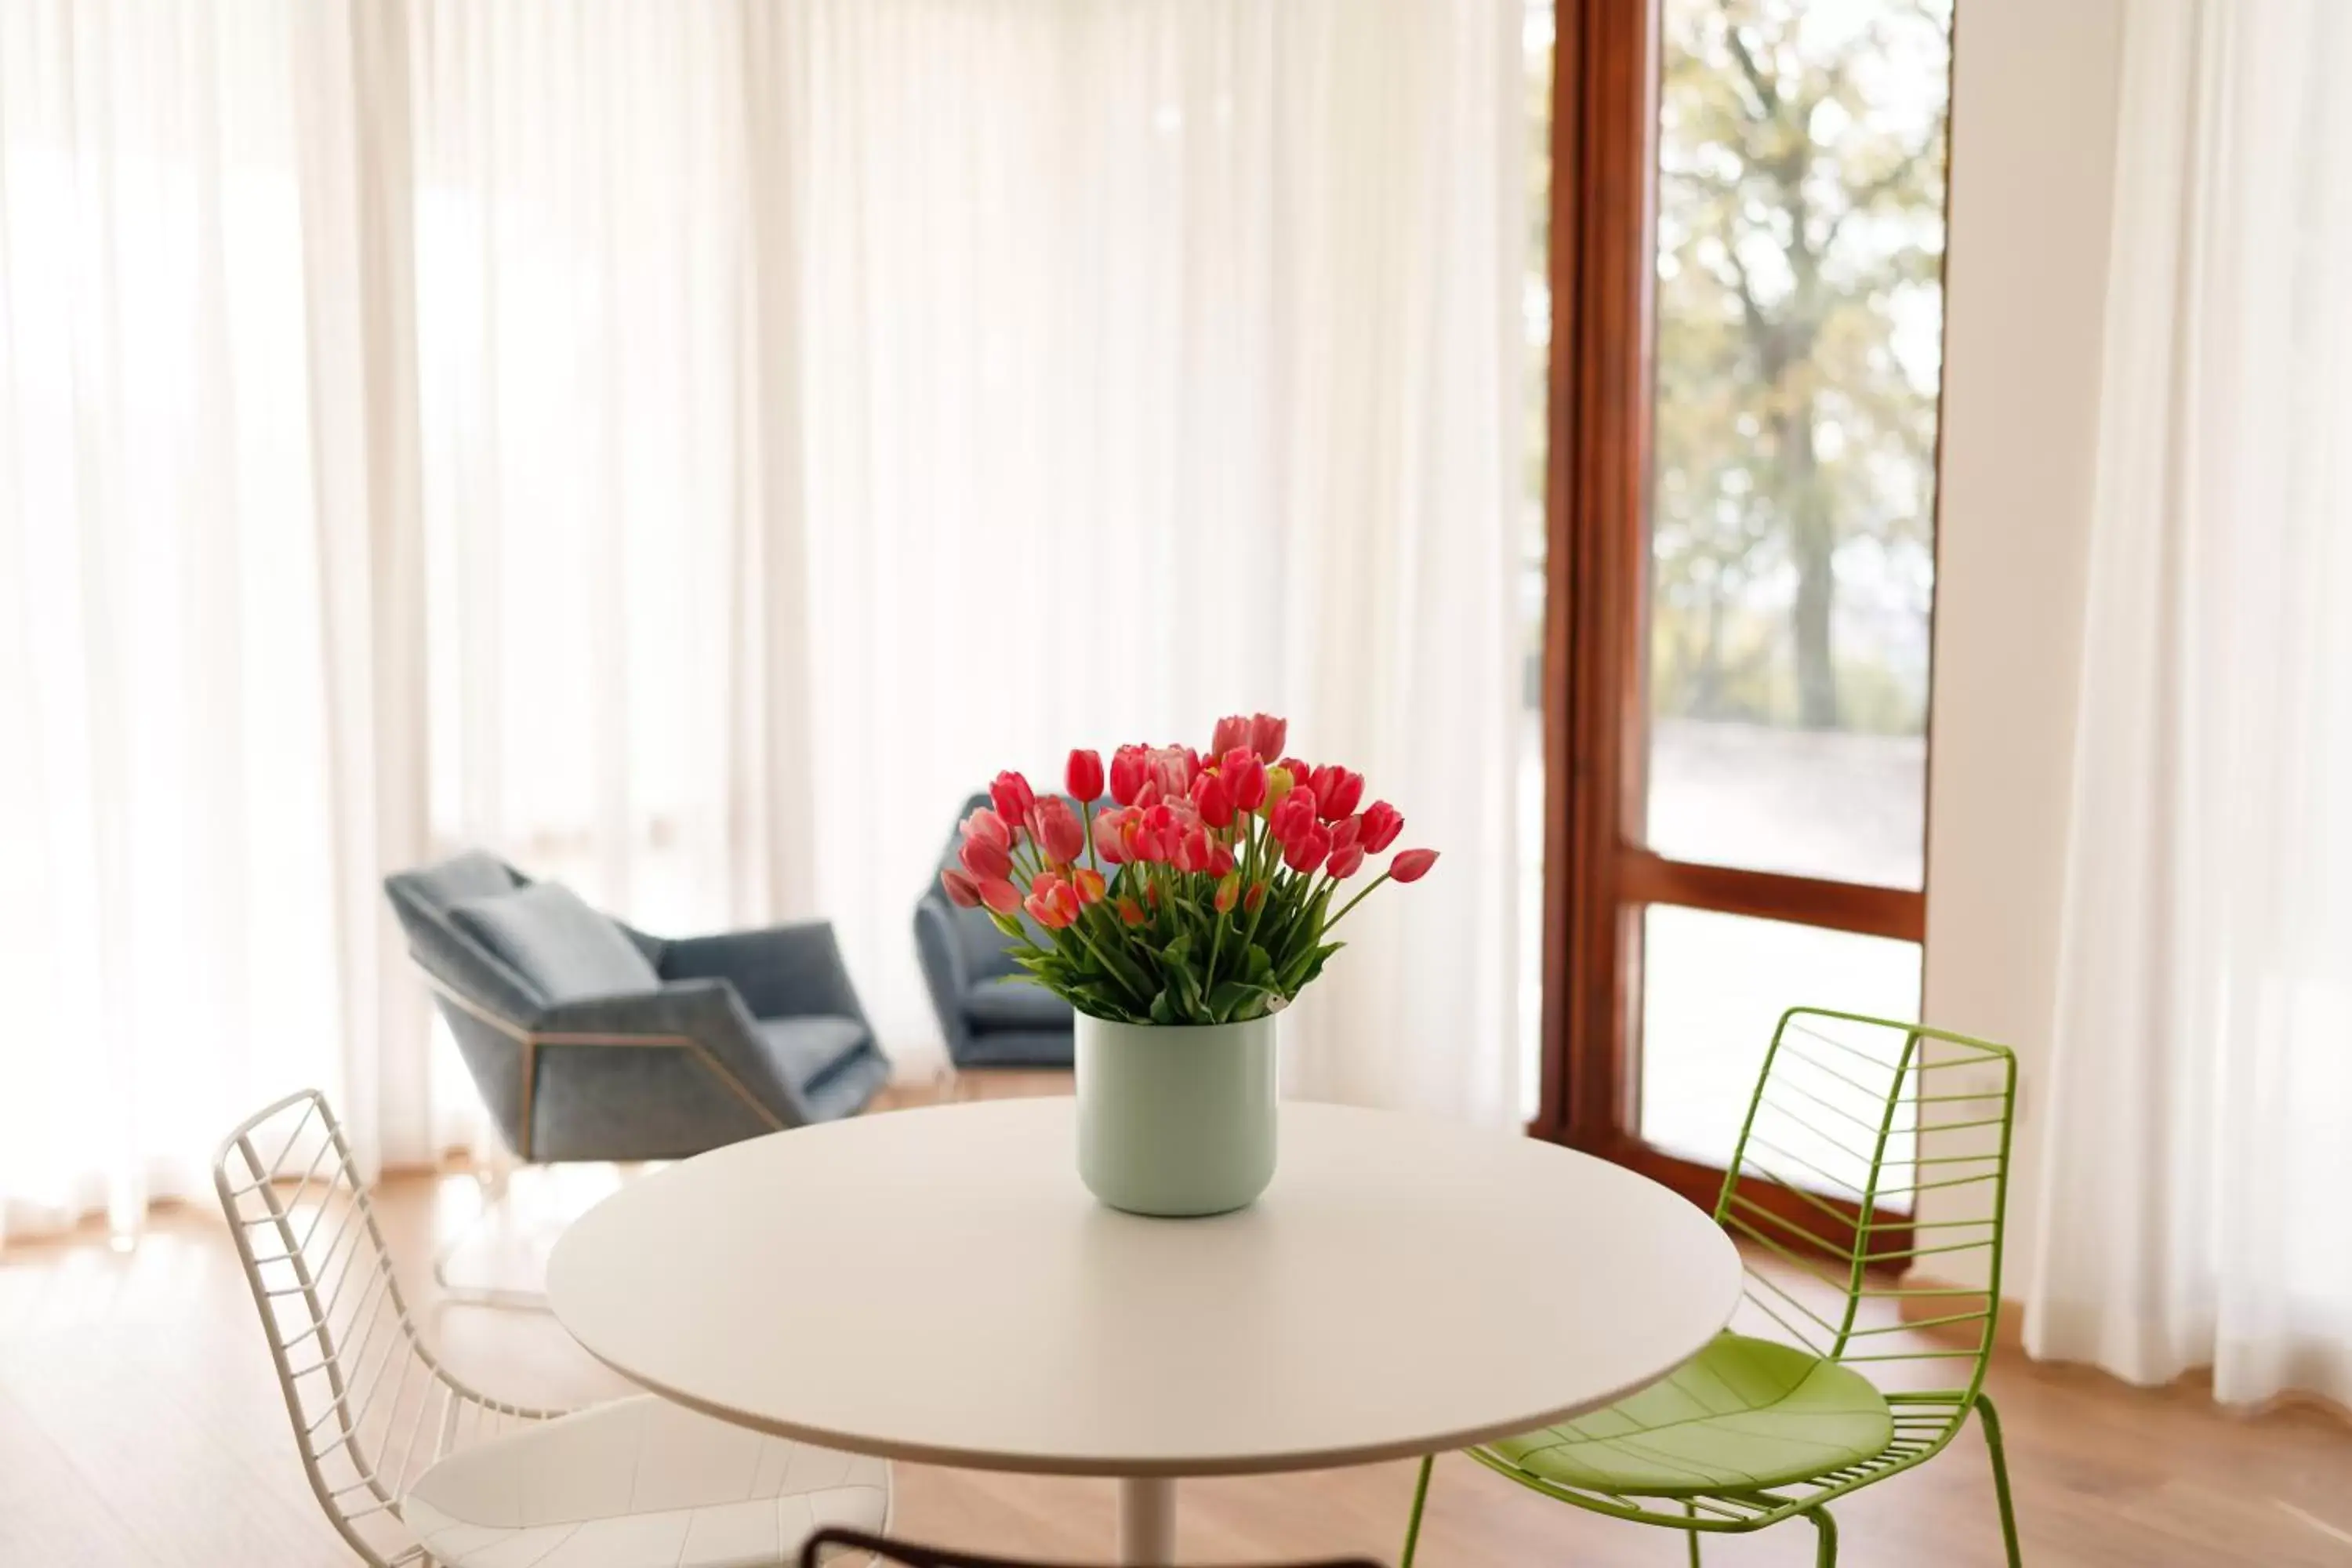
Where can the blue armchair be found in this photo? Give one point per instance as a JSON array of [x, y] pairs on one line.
[[991, 1016], [590, 1040]]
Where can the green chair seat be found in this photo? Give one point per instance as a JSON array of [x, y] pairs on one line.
[[1741, 1415]]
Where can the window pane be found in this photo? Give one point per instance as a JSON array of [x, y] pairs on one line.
[[1800, 322], [1713, 986]]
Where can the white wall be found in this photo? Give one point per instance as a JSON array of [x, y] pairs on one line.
[[2033, 111]]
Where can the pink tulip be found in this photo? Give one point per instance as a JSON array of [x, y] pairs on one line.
[[1412, 865], [1126, 772], [1084, 776], [1336, 791], [1244, 776], [984, 859], [1156, 835], [1232, 732], [999, 895], [1266, 735], [1171, 768], [1089, 882], [963, 892], [1345, 863], [1212, 800], [1193, 851], [984, 824], [1052, 902], [1058, 832], [1305, 852], [1382, 823], [1012, 797], [1109, 843]]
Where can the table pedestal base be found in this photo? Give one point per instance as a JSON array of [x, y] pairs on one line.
[[1147, 1523]]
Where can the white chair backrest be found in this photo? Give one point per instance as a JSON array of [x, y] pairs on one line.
[[371, 1405]]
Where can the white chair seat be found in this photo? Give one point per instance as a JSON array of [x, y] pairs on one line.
[[639, 1483]]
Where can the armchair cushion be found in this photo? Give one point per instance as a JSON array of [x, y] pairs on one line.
[[564, 948], [995, 1005], [809, 1051]]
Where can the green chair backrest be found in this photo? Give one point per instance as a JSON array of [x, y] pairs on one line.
[[1873, 1147]]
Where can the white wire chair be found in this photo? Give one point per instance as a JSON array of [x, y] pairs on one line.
[[380, 1422]]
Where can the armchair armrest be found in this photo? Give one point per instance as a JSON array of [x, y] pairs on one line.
[[782, 971], [704, 1011]]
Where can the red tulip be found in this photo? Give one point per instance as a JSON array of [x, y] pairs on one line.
[[1346, 832], [1193, 851], [1305, 852], [1230, 731], [1336, 791], [1244, 776], [963, 892], [1012, 797], [1085, 776], [1130, 913], [1156, 835], [1212, 800], [1298, 770], [1253, 897], [1229, 892], [984, 859], [1221, 859], [1089, 882], [1052, 902], [1294, 815], [1127, 770], [999, 895], [1412, 865], [1111, 845], [984, 824], [1382, 823], [1345, 862], [1057, 830], [1266, 735]]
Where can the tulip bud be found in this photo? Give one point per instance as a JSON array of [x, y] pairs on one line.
[[1012, 797], [1382, 823], [1278, 782], [1253, 897], [1229, 892], [1084, 776], [963, 892], [1412, 865], [1127, 772], [1130, 913], [1221, 859], [984, 859], [1213, 801], [1345, 863]]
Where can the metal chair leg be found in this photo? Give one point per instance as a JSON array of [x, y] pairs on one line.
[[1420, 1497], [495, 1188], [1825, 1551], [1991, 1419]]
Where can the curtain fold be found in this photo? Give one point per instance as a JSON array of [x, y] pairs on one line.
[[685, 448], [2193, 1150]]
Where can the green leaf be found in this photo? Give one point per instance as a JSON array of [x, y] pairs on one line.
[[1232, 999], [1163, 1009], [1257, 966]]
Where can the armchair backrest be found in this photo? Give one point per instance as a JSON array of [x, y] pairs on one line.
[[481, 998]]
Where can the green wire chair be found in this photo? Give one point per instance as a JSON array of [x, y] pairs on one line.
[[1855, 1120]]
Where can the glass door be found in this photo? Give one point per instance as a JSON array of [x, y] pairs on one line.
[[1742, 531]]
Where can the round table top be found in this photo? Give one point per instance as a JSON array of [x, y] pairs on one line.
[[938, 1286]]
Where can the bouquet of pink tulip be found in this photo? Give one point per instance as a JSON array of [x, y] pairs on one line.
[[1201, 894]]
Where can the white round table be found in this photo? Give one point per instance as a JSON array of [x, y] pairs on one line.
[[937, 1285]]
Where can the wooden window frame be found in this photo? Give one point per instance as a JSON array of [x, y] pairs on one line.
[[1599, 875]]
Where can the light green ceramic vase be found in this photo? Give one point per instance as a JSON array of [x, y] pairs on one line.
[[1176, 1119]]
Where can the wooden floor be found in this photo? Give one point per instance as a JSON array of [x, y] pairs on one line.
[[140, 1424]]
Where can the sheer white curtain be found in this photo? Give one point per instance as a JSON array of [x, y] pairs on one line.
[[685, 448], [1160, 363], [2195, 1156], [188, 826]]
